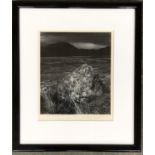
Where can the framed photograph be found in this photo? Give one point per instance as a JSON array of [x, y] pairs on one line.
[[75, 78], [77, 75]]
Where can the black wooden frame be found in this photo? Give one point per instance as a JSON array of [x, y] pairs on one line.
[[138, 6]]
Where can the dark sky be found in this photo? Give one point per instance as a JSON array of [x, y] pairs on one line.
[[79, 40]]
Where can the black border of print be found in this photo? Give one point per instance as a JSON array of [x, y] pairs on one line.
[[76, 73]]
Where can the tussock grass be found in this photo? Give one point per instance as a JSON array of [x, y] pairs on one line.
[[80, 92]]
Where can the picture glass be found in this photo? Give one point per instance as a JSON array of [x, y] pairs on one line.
[[76, 76]]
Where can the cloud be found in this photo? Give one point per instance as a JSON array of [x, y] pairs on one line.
[[87, 45], [48, 39]]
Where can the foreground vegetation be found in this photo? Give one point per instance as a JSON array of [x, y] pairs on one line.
[[80, 92]]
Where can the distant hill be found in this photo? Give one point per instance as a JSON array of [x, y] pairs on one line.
[[63, 49]]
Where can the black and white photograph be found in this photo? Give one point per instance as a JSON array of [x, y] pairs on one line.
[[75, 72], [77, 68]]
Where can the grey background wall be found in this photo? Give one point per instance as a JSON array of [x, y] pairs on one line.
[[75, 153]]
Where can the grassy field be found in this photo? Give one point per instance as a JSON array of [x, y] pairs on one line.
[[54, 69]]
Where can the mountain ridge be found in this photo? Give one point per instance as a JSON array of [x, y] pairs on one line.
[[66, 49]]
